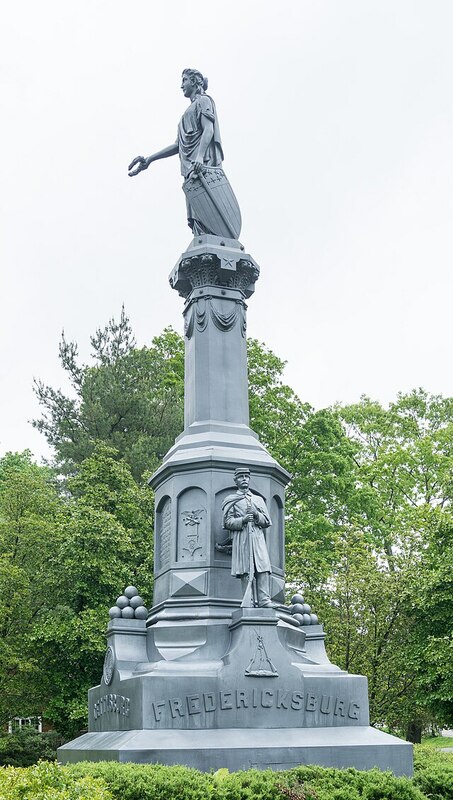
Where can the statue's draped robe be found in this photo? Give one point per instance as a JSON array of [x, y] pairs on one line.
[[189, 135], [235, 507]]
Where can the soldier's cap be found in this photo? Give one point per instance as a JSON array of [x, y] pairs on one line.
[[241, 471]]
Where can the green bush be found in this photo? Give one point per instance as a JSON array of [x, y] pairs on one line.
[[351, 784], [433, 780], [433, 773], [48, 781], [27, 747], [147, 781], [156, 782]]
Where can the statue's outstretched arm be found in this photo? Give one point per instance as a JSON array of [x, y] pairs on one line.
[[138, 164]]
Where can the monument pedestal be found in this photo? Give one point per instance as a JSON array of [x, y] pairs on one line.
[[263, 702], [205, 682]]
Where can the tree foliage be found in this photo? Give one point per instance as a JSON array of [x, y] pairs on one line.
[[130, 398]]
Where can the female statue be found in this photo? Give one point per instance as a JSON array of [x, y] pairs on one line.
[[211, 204]]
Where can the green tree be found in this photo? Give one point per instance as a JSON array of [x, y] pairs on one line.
[[30, 535], [130, 398], [65, 558], [106, 545], [386, 581]]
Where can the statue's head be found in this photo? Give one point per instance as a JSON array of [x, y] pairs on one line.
[[242, 477], [195, 79]]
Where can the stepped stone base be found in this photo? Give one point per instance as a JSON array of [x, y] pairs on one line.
[[247, 692], [238, 748]]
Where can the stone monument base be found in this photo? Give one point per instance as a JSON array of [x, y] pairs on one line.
[[246, 691], [242, 749]]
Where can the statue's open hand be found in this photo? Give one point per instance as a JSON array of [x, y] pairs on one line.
[[137, 165]]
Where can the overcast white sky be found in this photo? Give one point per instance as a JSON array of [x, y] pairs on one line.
[[337, 125]]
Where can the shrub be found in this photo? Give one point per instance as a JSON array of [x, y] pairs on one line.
[[433, 773], [27, 747], [48, 781], [147, 781]]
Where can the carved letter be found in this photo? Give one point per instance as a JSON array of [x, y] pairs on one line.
[[193, 704], [127, 705], [339, 707], [326, 704], [255, 698], [225, 700], [157, 708], [176, 706], [209, 701], [241, 699], [311, 702], [282, 699], [353, 711], [297, 701], [270, 695]]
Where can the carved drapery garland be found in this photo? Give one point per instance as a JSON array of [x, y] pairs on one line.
[[203, 308]]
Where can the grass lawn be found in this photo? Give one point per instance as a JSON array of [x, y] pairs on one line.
[[437, 741]]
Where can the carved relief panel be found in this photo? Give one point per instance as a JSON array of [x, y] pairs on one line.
[[192, 525]]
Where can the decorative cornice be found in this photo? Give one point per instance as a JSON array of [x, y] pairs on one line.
[[228, 271]]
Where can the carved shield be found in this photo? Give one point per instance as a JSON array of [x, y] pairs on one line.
[[212, 202]]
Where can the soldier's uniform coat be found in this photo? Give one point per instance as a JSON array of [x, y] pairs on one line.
[[235, 507]]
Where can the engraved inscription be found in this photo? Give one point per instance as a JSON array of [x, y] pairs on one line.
[[112, 704], [164, 535], [226, 700]]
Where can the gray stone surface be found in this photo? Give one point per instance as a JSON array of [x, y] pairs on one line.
[[204, 681], [235, 748]]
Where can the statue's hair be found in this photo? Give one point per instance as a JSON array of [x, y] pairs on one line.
[[201, 82]]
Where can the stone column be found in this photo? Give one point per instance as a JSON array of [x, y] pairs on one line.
[[216, 278]]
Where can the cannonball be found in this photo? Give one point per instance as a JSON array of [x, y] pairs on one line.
[[131, 591], [114, 612], [127, 613], [122, 601], [297, 608], [136, 601], [307, 609], [306, 619], [314, 619], [299, 618], [297, 598], [141, 612]]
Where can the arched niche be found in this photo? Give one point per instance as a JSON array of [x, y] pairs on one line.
[[275, 535], [191, 534]]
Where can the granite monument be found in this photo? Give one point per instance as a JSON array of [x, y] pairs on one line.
[[220, 672]]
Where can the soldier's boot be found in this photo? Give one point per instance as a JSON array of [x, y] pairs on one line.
[[263, 582]]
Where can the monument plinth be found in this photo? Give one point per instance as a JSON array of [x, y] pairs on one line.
[[222, 673]]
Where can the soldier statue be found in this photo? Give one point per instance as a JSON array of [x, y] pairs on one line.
[[246, 516], [211, 204]]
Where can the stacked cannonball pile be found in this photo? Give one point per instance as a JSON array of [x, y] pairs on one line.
[[301, 611], [129, 606]]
